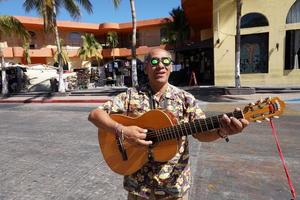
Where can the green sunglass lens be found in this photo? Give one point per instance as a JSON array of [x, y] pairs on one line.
[[154, 61], [166, 61]]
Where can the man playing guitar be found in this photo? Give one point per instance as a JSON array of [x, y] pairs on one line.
[[159, 180]]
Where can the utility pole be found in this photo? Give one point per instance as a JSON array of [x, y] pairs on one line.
[[238, 44], [3, 72]]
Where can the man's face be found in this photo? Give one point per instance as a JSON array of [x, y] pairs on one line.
[[158, 69]]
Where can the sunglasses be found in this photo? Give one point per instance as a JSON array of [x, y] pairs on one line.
[[166, 61]]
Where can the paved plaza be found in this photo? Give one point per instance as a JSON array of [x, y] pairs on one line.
[[50, 151]]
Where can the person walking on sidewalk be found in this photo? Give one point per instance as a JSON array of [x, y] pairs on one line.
[[157, 180]]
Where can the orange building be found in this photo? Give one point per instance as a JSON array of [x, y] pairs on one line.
[[42, 46]]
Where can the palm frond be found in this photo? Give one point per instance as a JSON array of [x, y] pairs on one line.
[[90, 48], [26, 53], [178, 28], [112, 39], [11, 25], [64, 54], [72, 8], [31, 4], [45, 9], [86, 4], [116, 3]]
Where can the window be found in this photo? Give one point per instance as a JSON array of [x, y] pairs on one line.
[[32, 34], [32, 44], [292, 39], [294, 13], [292, 49], [254, 47], [75, 39], [254, 53], [253, 20]]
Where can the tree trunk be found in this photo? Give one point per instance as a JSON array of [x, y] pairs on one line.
[[238, 44], [3, 73], [113, 47], [61, 84], [133, 48]]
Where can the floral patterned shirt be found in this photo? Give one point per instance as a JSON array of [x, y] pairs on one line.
[[168, 179]]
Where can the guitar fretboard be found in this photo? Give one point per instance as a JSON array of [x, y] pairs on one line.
[[189, 128]]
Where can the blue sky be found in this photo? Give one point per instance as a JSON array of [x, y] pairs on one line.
[[103, 10]]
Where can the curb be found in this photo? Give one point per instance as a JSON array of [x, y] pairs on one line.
[[57, 101]]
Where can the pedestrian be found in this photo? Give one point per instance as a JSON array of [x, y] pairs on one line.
[[159, 180]]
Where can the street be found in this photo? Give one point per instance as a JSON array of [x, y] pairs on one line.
[[50, 151]]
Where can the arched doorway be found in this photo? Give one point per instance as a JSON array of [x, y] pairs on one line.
[[292, 38]]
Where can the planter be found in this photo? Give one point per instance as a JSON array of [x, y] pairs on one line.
[[239, 91]]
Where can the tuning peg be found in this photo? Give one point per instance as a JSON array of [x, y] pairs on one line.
[[276, 116], [259, 101], [268, 98], [267, 119], [258, 121]]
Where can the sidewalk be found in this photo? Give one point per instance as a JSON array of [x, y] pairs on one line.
[[101, 96], [54, 99]]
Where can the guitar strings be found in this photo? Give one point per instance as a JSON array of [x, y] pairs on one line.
[[173, 131], [180, 128]]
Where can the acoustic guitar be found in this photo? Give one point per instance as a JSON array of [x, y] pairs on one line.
[[126, 158]]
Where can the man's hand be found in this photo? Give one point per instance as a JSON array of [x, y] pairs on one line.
[[135, 135], [232, 125]]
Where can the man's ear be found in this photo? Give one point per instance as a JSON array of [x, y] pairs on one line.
[[145, 69]]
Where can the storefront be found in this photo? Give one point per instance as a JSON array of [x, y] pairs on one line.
[[16, 77], [118, 72], [194, 65]]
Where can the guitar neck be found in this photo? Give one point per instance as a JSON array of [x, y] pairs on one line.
[[189, 128]]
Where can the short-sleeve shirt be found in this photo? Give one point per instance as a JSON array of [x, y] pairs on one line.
[[167, 179]]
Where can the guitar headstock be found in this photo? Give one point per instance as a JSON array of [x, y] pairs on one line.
[[264, 109]]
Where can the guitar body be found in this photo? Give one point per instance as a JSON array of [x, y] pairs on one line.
[[137, 155]]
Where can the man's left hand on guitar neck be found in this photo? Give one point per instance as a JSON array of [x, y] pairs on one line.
[[229, 126]]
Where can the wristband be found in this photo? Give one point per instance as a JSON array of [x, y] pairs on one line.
[[222, 136], [119, 130]]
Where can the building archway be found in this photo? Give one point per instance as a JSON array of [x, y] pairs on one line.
[[254, 19], [293, 15], [254, 46]]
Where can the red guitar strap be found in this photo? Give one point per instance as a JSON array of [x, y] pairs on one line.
[[274, 132]]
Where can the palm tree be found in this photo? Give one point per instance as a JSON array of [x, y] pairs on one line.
[[64, 54], [48, 9], [133, 46], [112, 40], [178, 29], [90, 48], [10, 25], [26, 52]]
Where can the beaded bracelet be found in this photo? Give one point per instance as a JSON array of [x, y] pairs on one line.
[[119, 130]]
